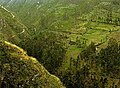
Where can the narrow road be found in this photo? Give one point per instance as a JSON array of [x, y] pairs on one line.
[[19, 33]]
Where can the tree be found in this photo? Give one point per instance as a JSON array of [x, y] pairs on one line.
[[48, 48], [109, 57], [89, 52]]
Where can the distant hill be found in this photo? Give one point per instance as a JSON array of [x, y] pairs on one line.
[[49, 14], [20, 70], [63, 14], [82, 28], [11, 29]]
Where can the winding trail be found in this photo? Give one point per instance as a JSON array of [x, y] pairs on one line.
[[8, 11], [19, 33]]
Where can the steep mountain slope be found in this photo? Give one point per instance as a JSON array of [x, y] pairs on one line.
[[59, 14], [52, 14], [25, 9], [20, 70], [11, 29]]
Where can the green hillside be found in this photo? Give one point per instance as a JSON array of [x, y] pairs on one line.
[[61, 13], [11, 29], [18, 70]]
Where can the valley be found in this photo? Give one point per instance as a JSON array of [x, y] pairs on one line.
[[76, 40]]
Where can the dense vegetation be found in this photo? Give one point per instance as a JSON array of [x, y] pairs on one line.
[[48, 48], [93, 69], [76, 40], [18, 70]]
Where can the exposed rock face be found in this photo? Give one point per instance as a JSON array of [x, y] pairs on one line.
[[17, 69]]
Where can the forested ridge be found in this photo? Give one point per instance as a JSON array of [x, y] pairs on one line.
[[76, 40]]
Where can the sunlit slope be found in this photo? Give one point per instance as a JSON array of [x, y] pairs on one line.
[[52, 14], [37, 12], [11, 29], [20, 70]]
